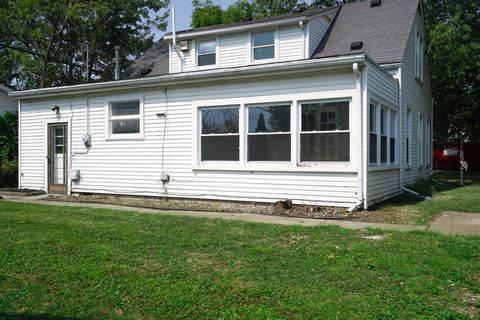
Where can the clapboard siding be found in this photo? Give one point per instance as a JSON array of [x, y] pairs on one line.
[[318, 27], [234, 50], [383, 184], [7, 104], [416, 96], [382, 87], [134, 167]]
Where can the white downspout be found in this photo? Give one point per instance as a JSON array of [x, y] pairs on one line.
[[360, 194], [365, 105]]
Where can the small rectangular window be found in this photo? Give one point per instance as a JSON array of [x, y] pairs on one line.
[[408, 141], [373, 134], [124, 118], [220, 139], [263, 45], [383, 135], [325, 132], [420, 141], [206, 53], [269, 137]]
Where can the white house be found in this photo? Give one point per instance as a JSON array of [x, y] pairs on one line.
[[7, 104], [331, 107]]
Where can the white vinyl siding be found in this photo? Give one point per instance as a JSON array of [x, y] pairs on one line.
[[134, 167], [291, 43], [7, 104]]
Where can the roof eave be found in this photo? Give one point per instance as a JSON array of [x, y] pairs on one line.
[[193, 77]]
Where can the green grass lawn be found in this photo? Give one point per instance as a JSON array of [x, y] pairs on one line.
[[448, 195], [79, 263]]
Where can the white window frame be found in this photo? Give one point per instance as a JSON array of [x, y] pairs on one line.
[[247, 108], [200, 134], [109, 118], [388, 111], [409, 134], [419, 56], [217, 53], [275, 47], [300, 132]]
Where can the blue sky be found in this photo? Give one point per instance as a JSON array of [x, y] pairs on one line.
[[183, 14]]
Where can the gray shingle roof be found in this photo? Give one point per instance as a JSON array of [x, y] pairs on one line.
[[384, 30], [153, 62]]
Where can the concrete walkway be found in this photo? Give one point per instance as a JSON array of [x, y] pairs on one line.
[[449, 223]]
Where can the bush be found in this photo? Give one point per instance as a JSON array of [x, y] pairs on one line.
[[426, 187], [8, 150], [8, 173]]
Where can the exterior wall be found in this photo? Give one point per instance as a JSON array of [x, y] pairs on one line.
[[234, 50], [169, 145], [318, 27], [416, 96], [383, 181], [7, 104]]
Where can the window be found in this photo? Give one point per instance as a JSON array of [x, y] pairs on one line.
[[125, 119], [206, 53], [393, 142], [419, 56], [408, 143], [383, 135], [421, 136], [220, 139], [428, 143], [269, 137], [373, 133], [263, 45], [325, 134]]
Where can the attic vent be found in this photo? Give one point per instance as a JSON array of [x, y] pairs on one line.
[[357, 45], [376, 3], [145, 71]]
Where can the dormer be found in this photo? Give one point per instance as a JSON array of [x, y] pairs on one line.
[[277, 39]]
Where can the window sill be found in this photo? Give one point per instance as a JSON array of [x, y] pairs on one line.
[[122, 138], [383, 168], [276, 168]]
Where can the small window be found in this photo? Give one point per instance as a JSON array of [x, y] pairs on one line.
[[419, 56], [220, 139], [206, 53], [269, 137], [263, 45], [373, 134], [124, 118], [421, 136], [325, 134]]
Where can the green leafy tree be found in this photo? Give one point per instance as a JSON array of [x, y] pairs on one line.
[[205, 14], [46, 41], [454, 54]]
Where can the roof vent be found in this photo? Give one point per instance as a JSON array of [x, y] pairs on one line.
[[357, 45], [376, 3]]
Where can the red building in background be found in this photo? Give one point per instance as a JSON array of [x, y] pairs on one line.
[[447, 156]]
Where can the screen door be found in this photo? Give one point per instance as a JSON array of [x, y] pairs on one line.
[[57, 157]]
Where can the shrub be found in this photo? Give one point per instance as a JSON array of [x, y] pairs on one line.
[[8, 150]]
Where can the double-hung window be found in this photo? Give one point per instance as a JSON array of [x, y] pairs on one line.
[[325, 134], [206, 53], [408, 142], [383, 135], [393, 134], [269, 136], [125, 119], [419, 56], [421, 136], [220, 138], [373, 133], [263, 45]]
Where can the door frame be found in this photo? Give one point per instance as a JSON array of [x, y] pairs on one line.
[[68, 153]]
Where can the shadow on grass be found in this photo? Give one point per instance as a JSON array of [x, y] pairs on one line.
[[28, 316]]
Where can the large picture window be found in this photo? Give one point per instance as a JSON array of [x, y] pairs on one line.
[[325, 132], [269, 137], [125, 119], [263, 45], [220, 139], [206, 53]]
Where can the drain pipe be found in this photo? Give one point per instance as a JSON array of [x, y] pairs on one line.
[[361, 178]]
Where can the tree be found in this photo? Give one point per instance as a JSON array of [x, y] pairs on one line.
[[454, 54], [205, 13], [46, 41]]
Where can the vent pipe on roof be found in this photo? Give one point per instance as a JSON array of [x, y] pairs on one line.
[[117, 62], [174, 29], [376, 3], [357, 45]]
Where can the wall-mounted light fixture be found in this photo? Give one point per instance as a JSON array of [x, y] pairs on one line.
[[55, 109]]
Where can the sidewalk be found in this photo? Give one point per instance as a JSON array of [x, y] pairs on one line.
[[450, 223]]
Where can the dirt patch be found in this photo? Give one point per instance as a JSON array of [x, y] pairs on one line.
[[397, 214]]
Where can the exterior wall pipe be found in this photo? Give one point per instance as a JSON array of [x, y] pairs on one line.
[[361, 173], [117, 62]]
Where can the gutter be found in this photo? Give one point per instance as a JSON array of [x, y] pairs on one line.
[[195, 77]]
